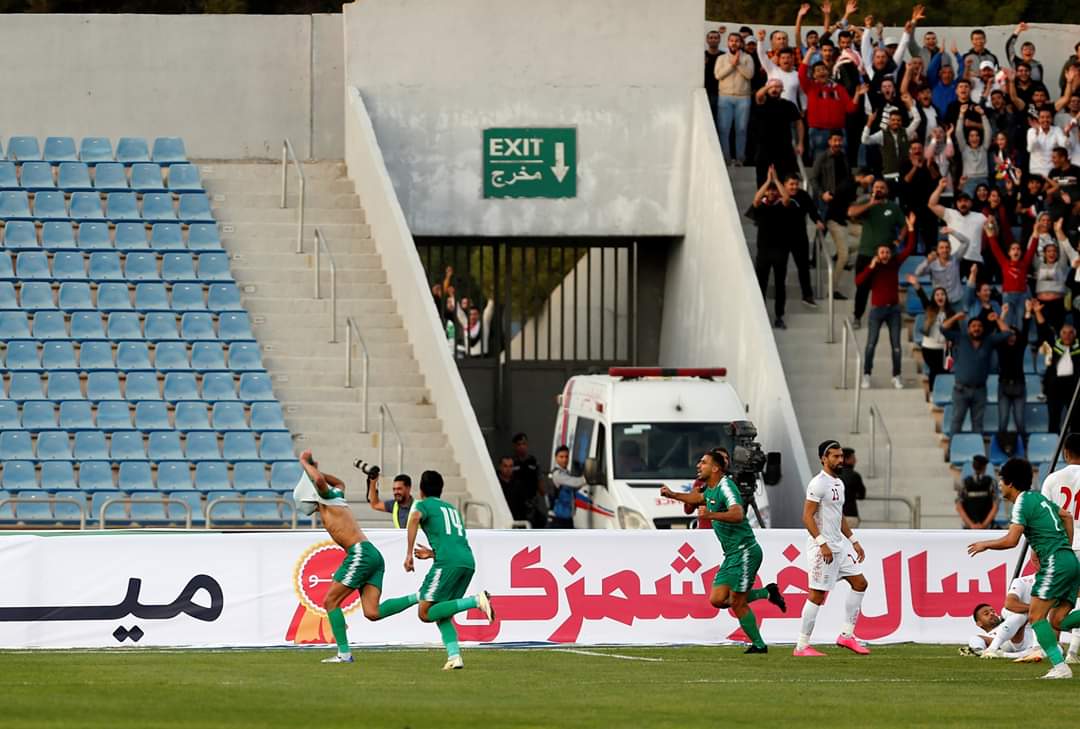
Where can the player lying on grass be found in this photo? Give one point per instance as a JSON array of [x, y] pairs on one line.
[[1007, 634]]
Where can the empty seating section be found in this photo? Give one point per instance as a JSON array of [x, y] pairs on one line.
[[129, 367]]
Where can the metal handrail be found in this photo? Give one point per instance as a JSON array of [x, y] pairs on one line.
[[384, 413], [849, 331], [521, 524], [128, 500], [350, 327], [61, 499], [823, 255], [480, 505], [320, 245], [875, 416], [914, 505], [237, 500], [288, 154]]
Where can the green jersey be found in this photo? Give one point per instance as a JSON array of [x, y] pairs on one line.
[[1042, 524], [733, 536], [445, 530]]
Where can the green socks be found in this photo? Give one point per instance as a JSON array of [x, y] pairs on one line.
[[443, 610], [448, 635], [1072, 620], [395, 605], [337, 624], [1048, 640], [759, 594], [749, 626]]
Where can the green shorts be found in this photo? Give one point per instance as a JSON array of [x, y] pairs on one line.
[[1058, 577], [363, 565], [739, 569], [445, 582]]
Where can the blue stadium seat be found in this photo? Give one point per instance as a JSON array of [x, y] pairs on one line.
[[58, 476], [14, 325], [196, 325], [94, 150], [86, 325], [171, 356], [75, 296], [15, 205], [1036, 417], [50, 206], [112, 296], [167, 237], [229, 416], [228, 512], [187, 297], [8, 179], [150, 415], [1033, 384], [20, 235], [110, 177], [284, 475], [141, 386], [184, 178], [211, 476], [158, 208], [19, 475], [245, 356], [195, 208], [58, 356], [248, 476], [114, 513], [168, 150], [23, 149], [204, 237], [86, 207], [15, 445], [70, 506], [64, 386], [8, 300], [141, 266], [7, 511], [90, 446], [194, 500], [95, 475], [992, 389], [6, 272], [276, 446], [214, 267], [36, 295], [261, 511], [151, 297], [53, 446], [69, 266], [60, 149], [178, 267], [191, 415], [38, 415], [38, 511], [203, 446], [32, 265], [105, 266], [94, 236], [998, 455], [22, 355], [1041, 447], [964, 446], [124, 325], [131, 237], [74, 177], [239, 446], [75, 415], [146, 177], [235, 327], [130, 150], [224, 297], [132, 356], [121, 206], [102, 386], [207, 356], [218, 386], [943, 387], [9, 415], [50, 325], [37, 176], [147, 509], [174, 476], [161, 326], [56, 236], [134, 473], [112, 415], [165, 446], [181, 386], [127, 446]]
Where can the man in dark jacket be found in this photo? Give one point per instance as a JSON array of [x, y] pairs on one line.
[[854, 488], [976, 496], [1063, 369], [526, 484], [803, 208], [971, 366]]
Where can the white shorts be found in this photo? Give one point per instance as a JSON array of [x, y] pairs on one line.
[[824, 576]]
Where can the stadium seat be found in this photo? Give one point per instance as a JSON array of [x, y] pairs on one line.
[[1036, 417], [124, 325], [141, 266], [998, 455], [15, 444], [69, 266], [195, 326], [105, 266], [113, 297], [1033, 385], [276, 446], [56, 235], [131, 237], [992, 391], [6, 272], [158, 208], [227, 512], [86, 325], [53, 446], [19, 475], [127, 446], [113, 416], [76, 415], [86, 207], [38, 415], [214, 267], [102, 386], [180, 386], [58, 356], [95, 475], [63, 386], [132, 356], [167, 237], [60, 149], [75, 296], [229, 416], [94, 236], [141, 386], [14, 325], [36, 295], [164, 446], [184, 178], [218, 386], [38, 511], [114, 513], [964, 446], [20, 235], [121, 206], [57, 476], [130, 150], [187, 297], [32, 265], [1041, 447], [195, 208], [261, 510], [211, 476], [69, 507], [171, 356], [204, 237], [174, 476], [943, 387], [194, 500], [168, 150], [161, 326], [206, 357], [74, 177], [49, 325], [191, 416], [284, 475], [146, 177], [37, 176], [22, 355], [8, 299], [235, 327], [23, 149], [7, 510], [202, 446], [90, 446], [134, 474], [224, 297], [245, 356], [94, 150], [50, 205], [178, 267], [15, 205], [9, 415], [239, 447], [151, 415], [110, 177], [151, 297], [147, 509], [8, 179]]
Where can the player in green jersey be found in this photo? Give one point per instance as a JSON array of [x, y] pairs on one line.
[[441, 592], [1049, 530], [721, 504]]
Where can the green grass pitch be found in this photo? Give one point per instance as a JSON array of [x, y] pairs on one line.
[[898, 686]]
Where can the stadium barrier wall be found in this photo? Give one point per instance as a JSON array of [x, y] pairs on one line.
[[209, 589], [405, 274], [713, 314]]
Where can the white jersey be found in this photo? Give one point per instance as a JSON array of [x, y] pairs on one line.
[[828, 492], [1021, 587], [1063, 488]]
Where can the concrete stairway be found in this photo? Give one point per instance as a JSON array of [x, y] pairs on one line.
[[812, 368], [277, 287]]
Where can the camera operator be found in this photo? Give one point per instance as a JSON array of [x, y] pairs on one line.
[[400, 505]]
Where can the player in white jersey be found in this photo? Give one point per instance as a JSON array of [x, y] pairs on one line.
[[832, 552], [1007, 634], [1063, 488]]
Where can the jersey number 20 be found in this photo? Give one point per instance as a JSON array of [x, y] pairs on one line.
[[452, 520]]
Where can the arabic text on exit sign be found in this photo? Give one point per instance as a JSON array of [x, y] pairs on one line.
[[530, 162]]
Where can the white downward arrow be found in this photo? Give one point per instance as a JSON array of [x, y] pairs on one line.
[[560, 169]]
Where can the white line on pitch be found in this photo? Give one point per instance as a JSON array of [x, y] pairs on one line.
[[608, 655]]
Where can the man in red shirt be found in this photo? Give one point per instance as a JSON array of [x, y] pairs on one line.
[[827, 104], [883, 275]]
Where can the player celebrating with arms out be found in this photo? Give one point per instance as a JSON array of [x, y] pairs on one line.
[[1049, 531], [453, 568], [829, 552], [721, 504]]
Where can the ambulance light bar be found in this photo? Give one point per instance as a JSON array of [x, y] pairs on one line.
[[633, 373]]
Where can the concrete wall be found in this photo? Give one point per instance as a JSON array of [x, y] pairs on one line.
[[434, 75], [233, 86], [713, 315]]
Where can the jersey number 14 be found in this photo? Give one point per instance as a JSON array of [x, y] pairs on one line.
[[452, 520]]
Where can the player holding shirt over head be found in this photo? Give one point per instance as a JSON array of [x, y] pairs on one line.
[[1062, 487], [1049, 530], [452, 571], [721, 504], [832, 551]]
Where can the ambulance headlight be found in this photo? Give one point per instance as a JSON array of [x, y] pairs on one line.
[[632, 519]]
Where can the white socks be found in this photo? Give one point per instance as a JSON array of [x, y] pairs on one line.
[[1004, 633], [1074, 642], [852, 606], [809, 617]]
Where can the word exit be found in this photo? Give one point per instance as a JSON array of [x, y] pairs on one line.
[[530, 162]]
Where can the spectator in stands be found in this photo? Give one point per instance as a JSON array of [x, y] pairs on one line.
[[1062, 183], [1027, 53], [1000, 116], [1012, 388], [772, 211], [971, 366], [398, 507], [978, 51], [917, 182], [475, 327], [929, 50], [1072, 61], [1030, 204], [976, 496], [525, 485], [942, 79], [1014, 272], [734, 75], [783, 70], [1041, 141], [894, 141], [944, 273], [712, 53], [1024, 91], [936, 309], [880, 218], [827, 105], [965, 227], [566, 488], [973, 158], [832, 181], [1062, 367], [939, 153], [1052, 273], [985, 83], [882, 275], [775, 118], [854, 488], [505, 473], [978, 301], [1003, 159], [802, 209]]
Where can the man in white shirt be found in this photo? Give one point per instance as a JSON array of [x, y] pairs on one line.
[[1063, 488], [832, 553], [1041, 140], [1007, 634], [784, 70], [965, 227]]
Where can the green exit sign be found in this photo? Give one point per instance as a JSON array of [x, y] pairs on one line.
[[530, 162]]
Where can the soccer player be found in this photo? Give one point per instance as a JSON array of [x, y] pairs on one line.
[[1049, 530], [441, 592], [1007, 634], [832, 552], [363, 566], [1062, 487], [721, 504]]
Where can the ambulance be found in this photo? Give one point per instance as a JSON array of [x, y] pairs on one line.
[[636, 429]]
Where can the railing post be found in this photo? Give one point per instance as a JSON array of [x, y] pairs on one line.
[[284, 174], [364, 395], [382, 433], [300, 227], [916, 513], [318, 266], [873, 442], [333, 302], [843, 358], [832, 305], [348, 354]]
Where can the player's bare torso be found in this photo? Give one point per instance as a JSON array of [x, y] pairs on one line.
[[341, 526]]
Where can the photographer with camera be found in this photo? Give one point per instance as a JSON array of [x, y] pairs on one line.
[[402, 500]]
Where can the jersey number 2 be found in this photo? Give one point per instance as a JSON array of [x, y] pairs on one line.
[[452, 520]]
